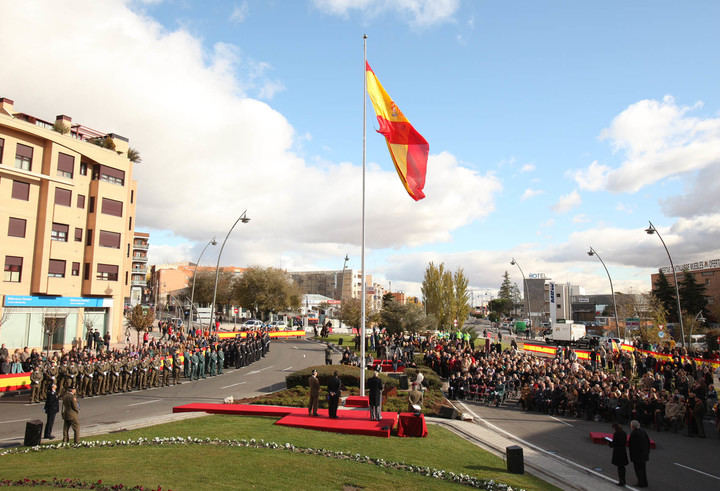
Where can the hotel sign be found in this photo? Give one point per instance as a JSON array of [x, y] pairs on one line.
[[697, 266]]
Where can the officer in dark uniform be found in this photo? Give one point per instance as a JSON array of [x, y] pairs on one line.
[[52, 406]]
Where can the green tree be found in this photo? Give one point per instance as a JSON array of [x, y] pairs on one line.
[[438, 293], [500, 306], [350, 313], [505, 287], [141, 320], [387, 298], [692, 296], [397, 318], [265, 290], [461, 301], [205, 285], [665, 294]]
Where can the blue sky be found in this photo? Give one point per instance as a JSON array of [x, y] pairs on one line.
[[552, 126]]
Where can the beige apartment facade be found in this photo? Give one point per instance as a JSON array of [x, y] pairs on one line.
[[67, 207]]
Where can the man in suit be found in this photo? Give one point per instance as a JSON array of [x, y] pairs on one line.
[[52, 406], [639, 452], [619, 455], [314, 385], [334, 388], [70, 412], [375, 387]]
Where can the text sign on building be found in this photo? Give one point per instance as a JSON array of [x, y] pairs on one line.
[[536, 276], [37, 301], [696, 266]]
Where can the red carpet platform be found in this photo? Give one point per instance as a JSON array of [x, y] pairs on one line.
[[349, 421], [386, 366], [357, 401], [598, 437]]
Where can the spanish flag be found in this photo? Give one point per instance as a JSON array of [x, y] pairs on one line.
[[408, 149]]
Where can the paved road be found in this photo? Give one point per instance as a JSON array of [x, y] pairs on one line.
[[264, 376], [678, 462]]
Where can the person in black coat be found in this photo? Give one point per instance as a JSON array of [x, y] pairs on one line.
[[639, 452], [52, 406], [619, 455], [375, 387], [334, 387]]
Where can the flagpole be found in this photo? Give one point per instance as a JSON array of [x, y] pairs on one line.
[[362, 248]]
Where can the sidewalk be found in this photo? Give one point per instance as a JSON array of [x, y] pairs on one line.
[[554, 469]]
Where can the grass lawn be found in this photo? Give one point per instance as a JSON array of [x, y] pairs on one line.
[[192, 467]]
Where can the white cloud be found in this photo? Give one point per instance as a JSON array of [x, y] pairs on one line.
[[209, 150], [580, 218], [239, 13], [531, 193], [527, 168], [567, 202], [593, 178], [421, 13], [625, 208], [699, 198], [659, 139]]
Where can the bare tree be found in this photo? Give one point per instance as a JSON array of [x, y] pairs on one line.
[[141, 320]]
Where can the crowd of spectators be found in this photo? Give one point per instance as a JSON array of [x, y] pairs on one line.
[[612, 386]]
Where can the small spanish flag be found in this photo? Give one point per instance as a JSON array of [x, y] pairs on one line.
[[408, 149]]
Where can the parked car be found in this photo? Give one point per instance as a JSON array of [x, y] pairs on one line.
[[279, 326], [252, 324]]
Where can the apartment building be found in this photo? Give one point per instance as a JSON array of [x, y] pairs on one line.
[[139, 270], [67, 205]]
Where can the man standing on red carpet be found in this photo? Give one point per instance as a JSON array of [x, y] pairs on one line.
[[375, 387], [314, 385], [334, 388]]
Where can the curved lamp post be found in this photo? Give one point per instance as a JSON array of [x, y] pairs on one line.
[[192, 292], [593, 252], [652, 230], [242, 218], [527, 290]]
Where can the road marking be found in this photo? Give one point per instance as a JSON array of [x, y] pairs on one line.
[[561, 421], [699, 472], [286, 369], [144, 402], [260, 370], [233, 385], [539, 449], [13, 421]]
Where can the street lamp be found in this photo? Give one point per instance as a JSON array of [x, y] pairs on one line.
[[593, 252], [192, 293], [342, 287], [652, 230], [513, 262], [242, 218]]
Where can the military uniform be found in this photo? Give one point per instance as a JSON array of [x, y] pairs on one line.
[[115, 373], [221, 360], [176, 368], [36, 378], [71, 376], [213, 362], [195, 362], [89, 379]]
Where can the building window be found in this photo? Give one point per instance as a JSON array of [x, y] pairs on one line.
[[86, 271], [56, 269], [16, 227], [76, 269], [126, 277], [91, 205], [109, 239], [107, 272], [132, 196], [78, 234], [128, 250], [2, 147], [81, 201], [66, 165], [83, 169], [21, 190], [59, 232], [109, 174], [88, 237], [63, 197], [23, 157], [13, 269], [130, 224], [112, 207]]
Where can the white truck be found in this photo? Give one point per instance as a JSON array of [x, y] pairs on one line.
[[566, 333]]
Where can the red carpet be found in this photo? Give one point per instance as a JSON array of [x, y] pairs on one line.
[[357, 401], [351, 422], [356, 422], [599, 437]]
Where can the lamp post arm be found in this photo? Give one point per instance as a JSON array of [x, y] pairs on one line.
[[677, 289], [527, 292], [217, 266], [612, 292], [192, 292]]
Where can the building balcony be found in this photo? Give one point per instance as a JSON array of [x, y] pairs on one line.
[[139, 259], [138, 282], [139, 270], [140, 247]]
